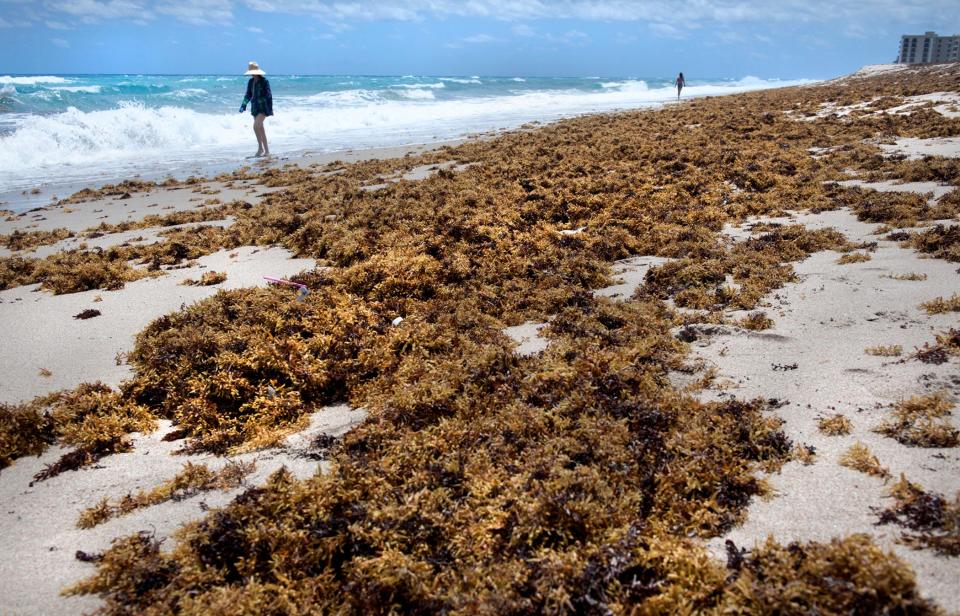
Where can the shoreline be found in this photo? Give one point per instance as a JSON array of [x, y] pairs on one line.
[[810, 358], [25, 200], [23, 197]]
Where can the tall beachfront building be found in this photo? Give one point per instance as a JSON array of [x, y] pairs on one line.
[[928, 48]]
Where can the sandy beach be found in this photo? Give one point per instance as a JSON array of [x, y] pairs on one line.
[[558, 367]]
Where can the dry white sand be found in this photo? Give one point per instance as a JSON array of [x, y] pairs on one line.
[[921, 188], [914, 148], [528, 338], [114, 210], [872, 70], [823, 324], [629, 275], [946, 104]]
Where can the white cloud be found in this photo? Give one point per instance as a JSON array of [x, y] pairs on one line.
[[676, 12], [255, 30], [571, 37], [523, 30], [97, 9], [667, 30], [730, 36], [4, 23], [476, 39], [668, 18], [855, 30], [198, 12], [59, 42], [56, 25], [479, 39]]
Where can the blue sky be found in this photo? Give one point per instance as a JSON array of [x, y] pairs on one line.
[[640, 38]]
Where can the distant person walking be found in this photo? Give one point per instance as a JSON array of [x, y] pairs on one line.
[[261, 105], [680, 82]]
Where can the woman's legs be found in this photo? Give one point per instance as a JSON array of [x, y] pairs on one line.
[[262, 148], [256, 132]]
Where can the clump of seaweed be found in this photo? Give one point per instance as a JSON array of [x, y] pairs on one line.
[[757, 264], [835, 425], [889, 350], [912, 276], [92, 418], [207, 279], [805, 454], [950, 340], [83, 455], [70, 272], [934, 520], [940, 241], [940, 305], [26, 240], [854, 257], [24, 431], [255, 363], [845, 576], [922, 421], [859, 458], [191, 480], [898, 209], [120, 189], [89, 313], [756, 321], [947, 345]]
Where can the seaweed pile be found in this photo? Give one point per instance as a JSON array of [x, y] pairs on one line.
[[934, 519], [23, 240], [941, 241], [940, 305], [92, 418], [860, 458], [922, 421], [576, 480]]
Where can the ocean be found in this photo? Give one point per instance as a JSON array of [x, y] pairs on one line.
[[71, 130]]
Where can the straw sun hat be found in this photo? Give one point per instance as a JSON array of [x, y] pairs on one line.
[[254, 69]]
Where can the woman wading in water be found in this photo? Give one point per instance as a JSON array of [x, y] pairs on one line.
[[680, 82], [261, 105]]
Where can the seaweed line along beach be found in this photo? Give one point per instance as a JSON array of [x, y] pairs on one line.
[[690, 358], [90, 129]]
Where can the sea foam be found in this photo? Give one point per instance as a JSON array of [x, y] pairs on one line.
[[31, 81]]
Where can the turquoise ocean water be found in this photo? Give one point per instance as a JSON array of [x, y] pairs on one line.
[[89, 129]]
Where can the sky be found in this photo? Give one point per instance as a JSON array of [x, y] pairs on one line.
[[784, 39]]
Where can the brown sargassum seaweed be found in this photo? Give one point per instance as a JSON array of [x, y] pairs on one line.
[[577, 480], [934, 520]]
